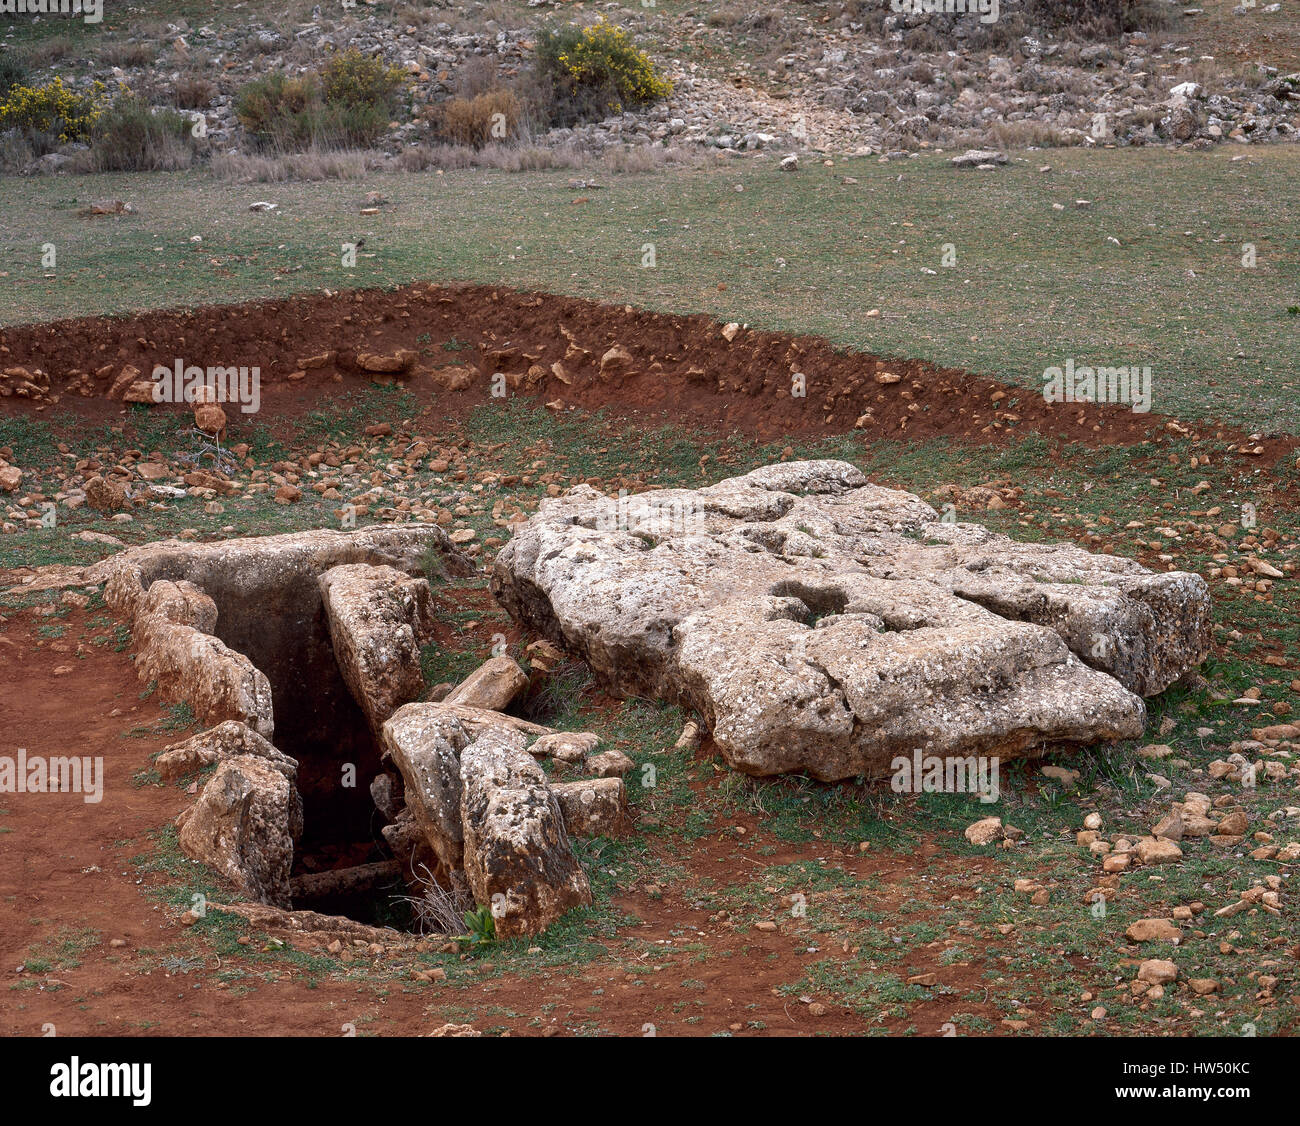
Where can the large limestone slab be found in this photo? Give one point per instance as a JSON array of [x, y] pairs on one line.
[[425, 741], [518, 858], [175, 650], [378, 618], [822, 623], [280, 569]]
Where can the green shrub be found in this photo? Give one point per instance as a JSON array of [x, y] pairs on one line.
[[353, 79], [348, 104], [279, 111], [193, 91], [130, 136], [596, 71], [53, 110], [12, 71]]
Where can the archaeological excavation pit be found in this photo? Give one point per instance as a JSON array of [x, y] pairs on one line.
[[336, 788]]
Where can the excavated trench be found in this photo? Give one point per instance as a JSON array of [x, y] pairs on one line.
[[284, 631], [271, 612]]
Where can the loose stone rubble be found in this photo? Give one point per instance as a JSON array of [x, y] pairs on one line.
[[821, 623]]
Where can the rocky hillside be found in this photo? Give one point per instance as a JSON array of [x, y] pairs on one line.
[[833, 78]]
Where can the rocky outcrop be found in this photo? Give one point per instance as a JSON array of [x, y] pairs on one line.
[[244, 826], [378, 619], [821, 623]]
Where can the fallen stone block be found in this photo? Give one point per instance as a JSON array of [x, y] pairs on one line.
[[518, 859], [492, 685], [244, 825]]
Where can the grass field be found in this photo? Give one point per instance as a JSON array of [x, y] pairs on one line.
[[1032, 286]]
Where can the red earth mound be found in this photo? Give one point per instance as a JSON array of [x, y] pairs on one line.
[[680, 369]]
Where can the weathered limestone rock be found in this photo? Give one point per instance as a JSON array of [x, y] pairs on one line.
[[517, 846], [388, 793], [1157, 850], [1154, 930], [822, 623], [518, 859], [609, 764], [244, 826], [593, 807], [378, 619], [492, 685], [227, 740], [175, 650], [425, 743], [565, 746], [269, 571], [985, 831], [1144, 629]]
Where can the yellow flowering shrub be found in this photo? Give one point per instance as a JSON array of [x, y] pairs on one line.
[[54, 108], [602, 63]]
